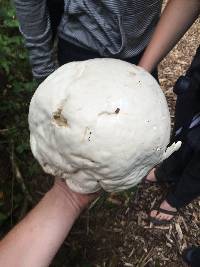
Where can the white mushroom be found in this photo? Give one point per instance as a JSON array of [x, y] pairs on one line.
[[101, 123]]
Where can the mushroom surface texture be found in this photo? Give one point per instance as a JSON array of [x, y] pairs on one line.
[[100, 123]]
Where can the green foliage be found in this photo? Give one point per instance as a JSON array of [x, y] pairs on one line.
[[17, 83], [16, 89], [10, 41]]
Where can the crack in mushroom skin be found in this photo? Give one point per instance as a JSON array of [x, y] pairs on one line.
[[87, 159], [109, 113], [85, 133], [59, 119]]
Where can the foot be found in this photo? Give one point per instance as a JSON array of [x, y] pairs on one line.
[[160, 215], [151, 176]]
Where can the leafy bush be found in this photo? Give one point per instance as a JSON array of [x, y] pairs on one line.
[[16, 89]]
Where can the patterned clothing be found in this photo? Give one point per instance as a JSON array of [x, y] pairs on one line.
[[113, 28]]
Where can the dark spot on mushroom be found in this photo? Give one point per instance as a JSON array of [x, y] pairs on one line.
[[117, 110], [59, 119]]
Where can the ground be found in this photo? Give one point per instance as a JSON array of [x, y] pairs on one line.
[[115, 231]]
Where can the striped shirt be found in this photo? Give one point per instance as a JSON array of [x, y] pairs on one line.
[[113, 28]]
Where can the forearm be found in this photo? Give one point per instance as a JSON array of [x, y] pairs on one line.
[[35, 240], [176, 18], [35, 26]]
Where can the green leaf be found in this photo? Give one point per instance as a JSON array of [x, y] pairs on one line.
[[5, 66], [11, 23]]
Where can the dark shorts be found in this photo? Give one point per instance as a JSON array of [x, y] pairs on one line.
[[68, 52]]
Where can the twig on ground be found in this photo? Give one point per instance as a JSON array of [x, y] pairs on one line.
[[184, 223], [19, 178], [179, 231], [145, 258], [3, 131], [87, 223], [94, 203]]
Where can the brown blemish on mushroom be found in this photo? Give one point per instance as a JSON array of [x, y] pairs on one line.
[[59, 119]]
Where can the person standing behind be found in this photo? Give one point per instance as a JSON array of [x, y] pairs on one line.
[[86, 29], [182, 169]]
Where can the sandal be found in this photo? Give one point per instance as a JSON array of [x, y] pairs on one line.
[[161, 222]]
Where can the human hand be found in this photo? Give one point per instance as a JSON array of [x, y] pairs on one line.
[[77, 200]]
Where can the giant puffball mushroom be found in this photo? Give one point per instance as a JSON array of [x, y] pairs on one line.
[[100, 123]]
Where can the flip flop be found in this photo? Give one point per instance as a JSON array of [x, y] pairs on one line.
[[161, 222], [146, 181]]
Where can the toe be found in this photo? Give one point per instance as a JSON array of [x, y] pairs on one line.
[[163, 217], [153, 213]]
